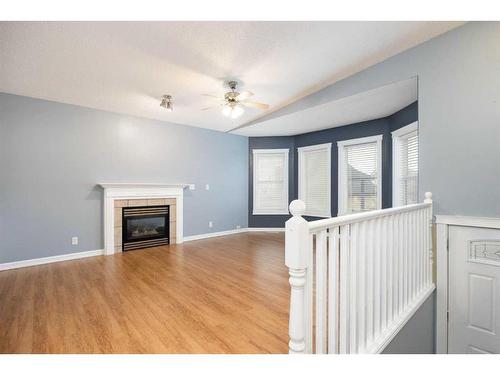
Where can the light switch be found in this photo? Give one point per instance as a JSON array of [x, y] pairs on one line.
[[207, 187], [192, 187]]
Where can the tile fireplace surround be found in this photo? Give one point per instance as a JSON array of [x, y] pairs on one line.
[[118, 195]]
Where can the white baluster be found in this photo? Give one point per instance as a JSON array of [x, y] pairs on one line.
[[358, 238], [377, 276], [418, 240], [411, 248], [428, 249], [409, 230], [354, 288], [344, 338], [384, 273], [401, 270], [321, 297], [296, 259], [422, 234], [390, 233], [418, 236], [428, 199], [333, 290], [309, 294], [369, 280], [406, 276], [395, 278]]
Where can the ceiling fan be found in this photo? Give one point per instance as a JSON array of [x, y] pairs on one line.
[[234, 102]]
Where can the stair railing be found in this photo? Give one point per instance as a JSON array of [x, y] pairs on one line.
[[356, 279]]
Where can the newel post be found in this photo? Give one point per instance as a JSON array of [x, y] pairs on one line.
[[428, 197], [296, 240]]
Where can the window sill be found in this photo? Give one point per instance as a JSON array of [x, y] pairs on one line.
[[316, 214], [271, 213]]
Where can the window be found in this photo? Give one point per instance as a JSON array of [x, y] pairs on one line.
[[314, 179], [360, 174], [405, 165], [270, 182]]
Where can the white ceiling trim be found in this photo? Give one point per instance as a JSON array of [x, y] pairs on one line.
[[369, 105]]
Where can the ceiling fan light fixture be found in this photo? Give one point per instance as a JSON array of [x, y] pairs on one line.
[[166, 103], [226, 110], [234, 103], [237, 111], [232, 110]]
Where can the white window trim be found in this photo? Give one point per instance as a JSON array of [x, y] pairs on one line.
[[342, 200], [302, 182], [405, 130], [271, 151], [398, 135]]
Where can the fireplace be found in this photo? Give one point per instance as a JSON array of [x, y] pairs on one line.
[[145, 226]]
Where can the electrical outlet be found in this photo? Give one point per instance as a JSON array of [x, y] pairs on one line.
[[207, 187], [74, 240], [238, 227], [210, 224]]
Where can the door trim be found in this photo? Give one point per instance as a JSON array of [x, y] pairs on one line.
[[442, 268], [469, 221], [442, 284]]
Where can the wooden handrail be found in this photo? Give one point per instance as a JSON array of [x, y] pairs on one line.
[[319, 225]]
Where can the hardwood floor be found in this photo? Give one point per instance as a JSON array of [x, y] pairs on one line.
[[223, 295]]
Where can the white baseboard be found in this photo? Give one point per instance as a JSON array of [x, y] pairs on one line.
[[85, 254], [265, 229], [228, 232], [52, 259], [214, 234]]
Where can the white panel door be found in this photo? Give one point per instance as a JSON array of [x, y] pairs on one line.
[[474, 295]]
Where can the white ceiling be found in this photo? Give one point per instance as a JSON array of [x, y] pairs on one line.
[[368, 105], [126, 67]]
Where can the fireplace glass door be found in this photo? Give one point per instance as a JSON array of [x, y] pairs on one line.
[[145, 227]]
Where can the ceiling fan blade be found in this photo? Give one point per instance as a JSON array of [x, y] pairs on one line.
[[244, 95], [211, 96], [255, 105]]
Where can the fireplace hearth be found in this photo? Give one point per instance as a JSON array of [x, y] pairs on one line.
[[145, 226]]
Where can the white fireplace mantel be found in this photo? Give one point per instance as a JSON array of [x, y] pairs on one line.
[[125, 190]]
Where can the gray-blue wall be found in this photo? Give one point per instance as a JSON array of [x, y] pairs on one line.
[[459, 114], [419, 333], [383, 126], [52, 155]]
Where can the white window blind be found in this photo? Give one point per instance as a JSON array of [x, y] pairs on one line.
[[362, 184], [314, 179], [405, 166], [360, 175], [270, 193]]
